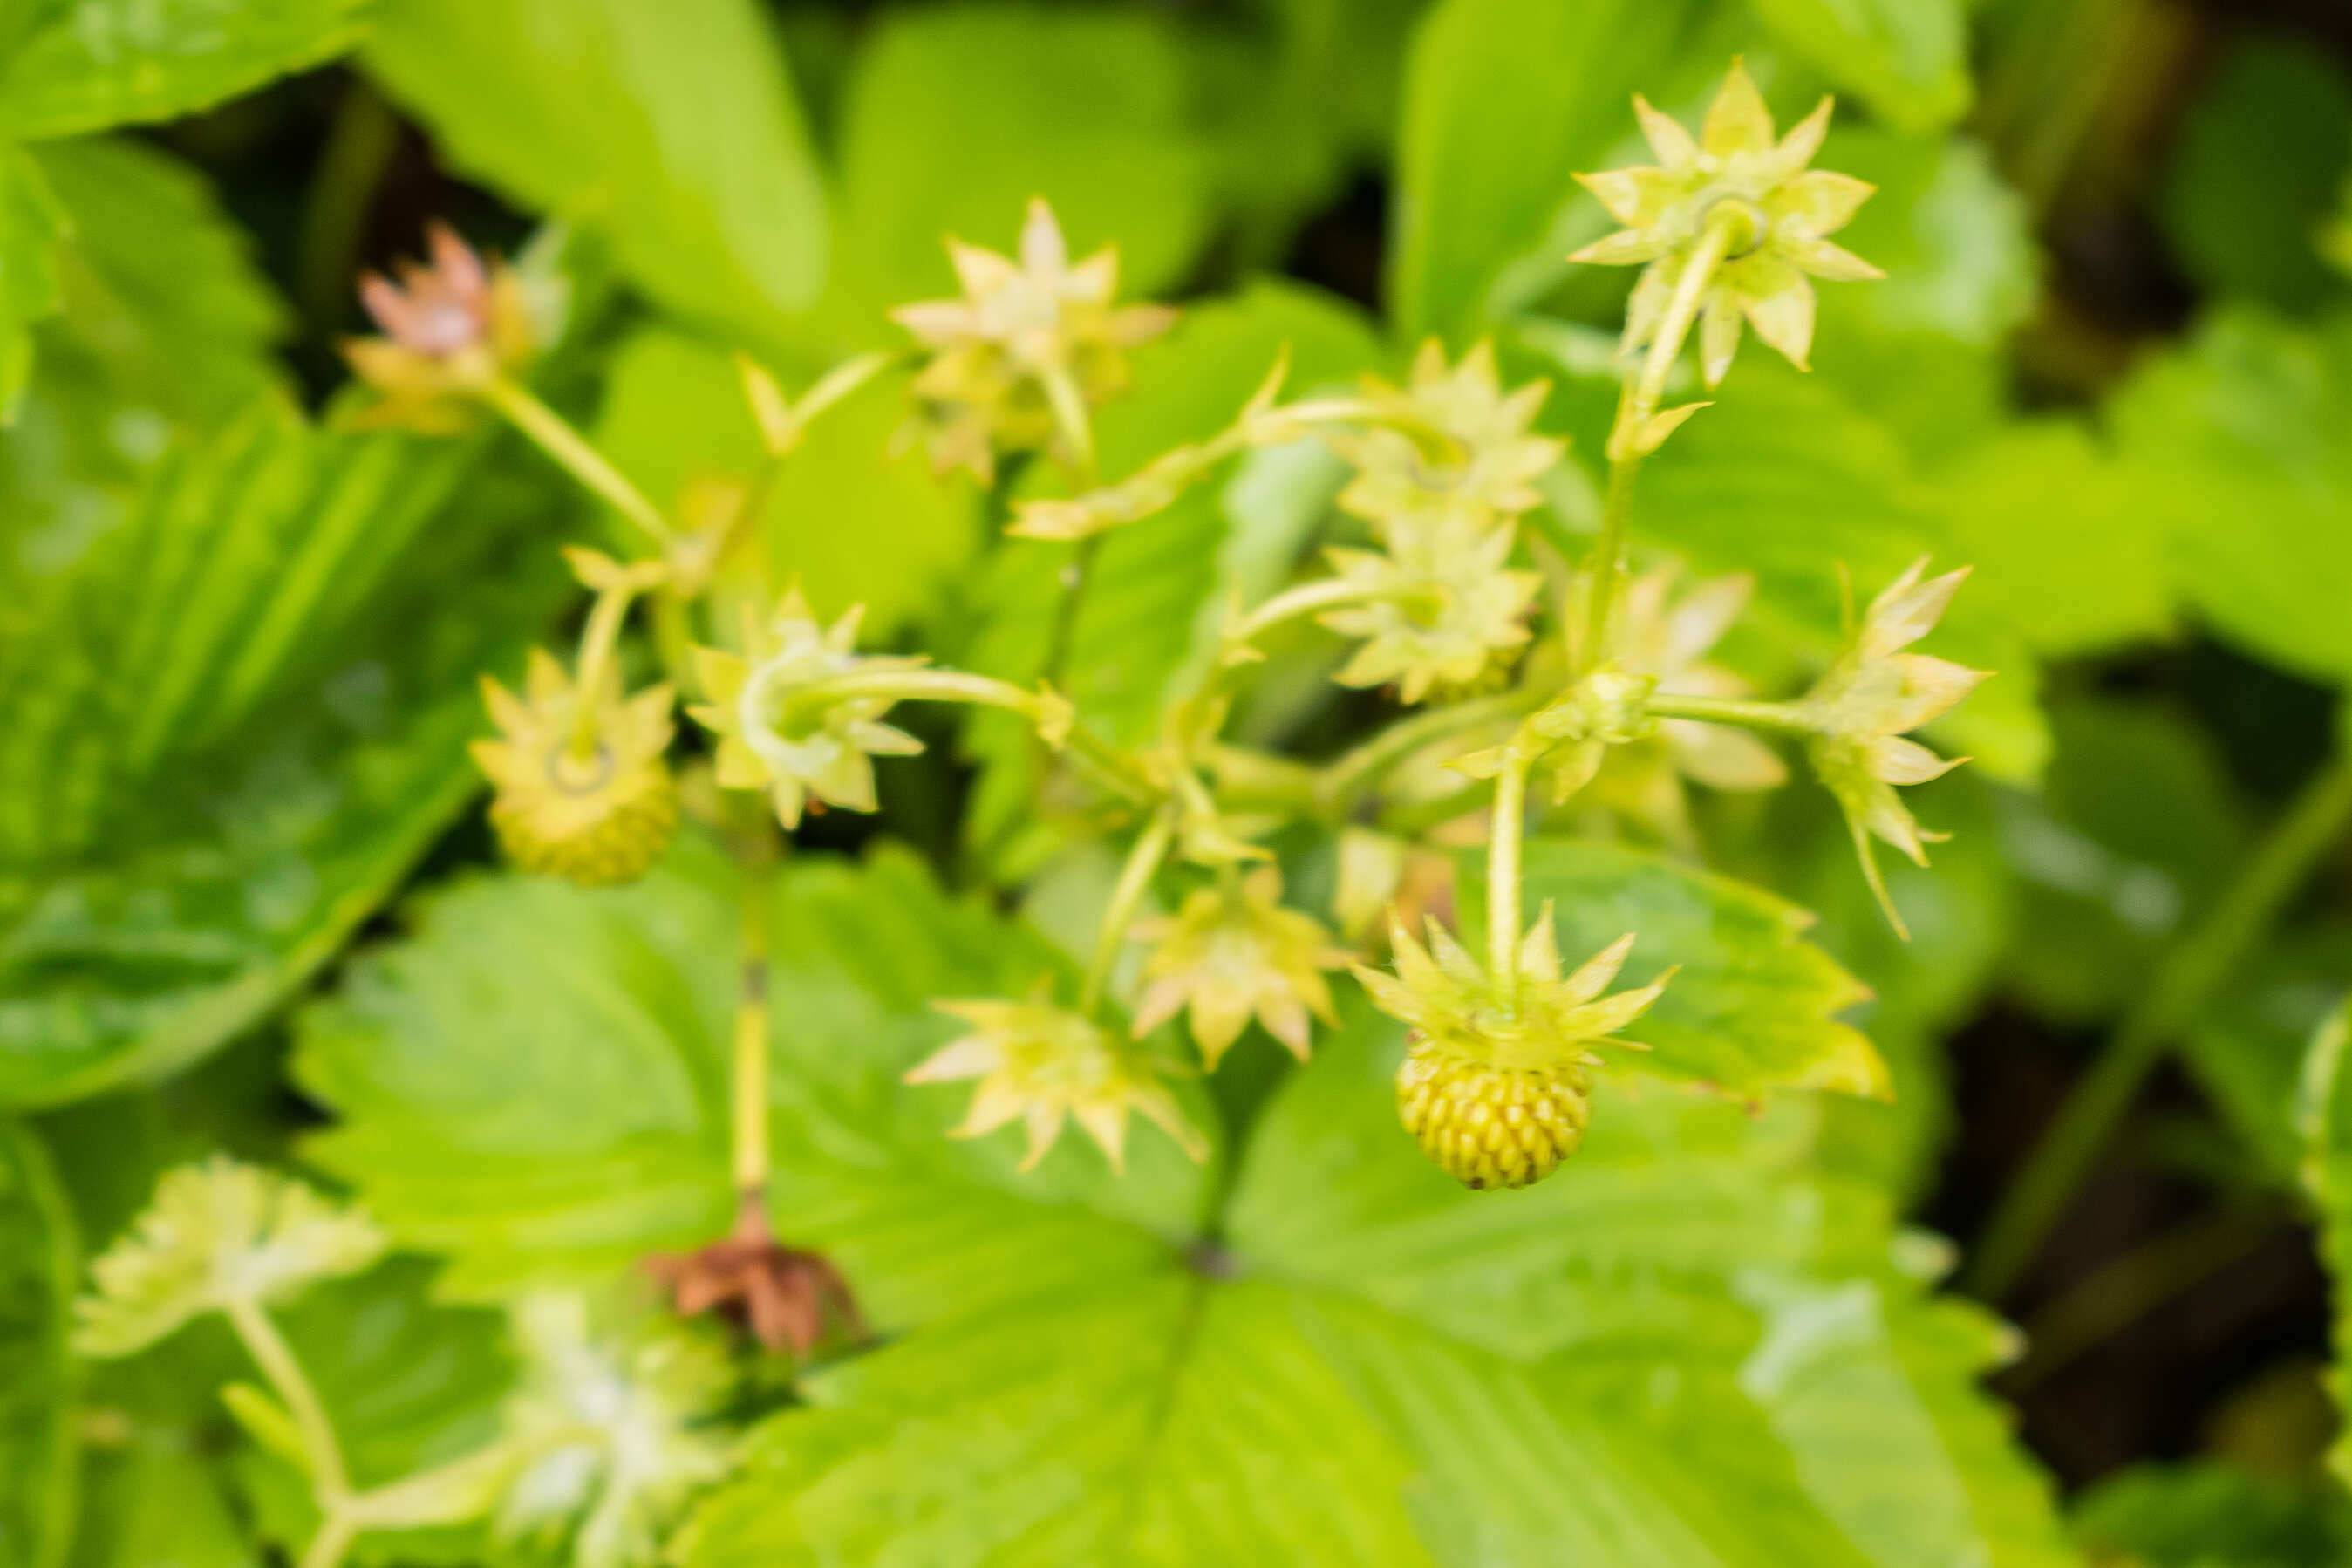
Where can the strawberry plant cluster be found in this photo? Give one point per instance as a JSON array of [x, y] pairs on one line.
[[796, 786]]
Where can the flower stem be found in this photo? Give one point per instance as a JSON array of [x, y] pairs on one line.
[[1503, 869], [1635, 408], [904, 685], [1780, 718], [1356, 772], [330, 1478], [1126, 897], [749, 1078], [1323, 594], [2183, 980], [597, 640], [336, 1533], [554, 435]]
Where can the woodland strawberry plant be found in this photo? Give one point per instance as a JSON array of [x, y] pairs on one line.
[[794, 787]]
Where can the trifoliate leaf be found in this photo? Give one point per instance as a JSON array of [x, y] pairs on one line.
[[38, 1439], [1752, 1006], [1685, 1348], [217, 1236]]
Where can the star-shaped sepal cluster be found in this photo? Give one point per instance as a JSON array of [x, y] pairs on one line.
[[1863, 704], [1780, 211], [449, 328], [777, 735], [1442, 612], [1232, 951], [1044, 1065], [1032, 345], [1495, 1084], [582, 789], [1450, 438]]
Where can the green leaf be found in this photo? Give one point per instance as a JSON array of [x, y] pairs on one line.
[[2053, 525], [409, 1384], [1171, 1421], [100, 63], [535, 1086], [1918, 347], [162, 292], [1503, 102], [1907, 59], [229, 730], [1681, 1349], [158, 1503], [166, 324], [675, 414], [39, 1442], [2206, 1514], [1750, 1008], [2256, 166], [2235, 442], [957, 115], [30, 225], [672, 132], [1735, 489]]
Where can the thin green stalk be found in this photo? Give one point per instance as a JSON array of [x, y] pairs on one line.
[[597, 640], [2121, 1292], [1780, 718], [554, 435], [749, 1078], [362, 140], [2184, 978], [1326, 594], [1114, 769], [283, 1368], [334, 1539], [1503, 870], [1640, 403], [1126, 898], [1352, 777]]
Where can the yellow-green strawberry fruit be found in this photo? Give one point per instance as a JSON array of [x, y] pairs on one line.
[[614, 840], [1488, 1126]]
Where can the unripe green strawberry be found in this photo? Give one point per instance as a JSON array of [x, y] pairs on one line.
[[631, 826], [1488, 1126], [583, 796], [1494, 1088]]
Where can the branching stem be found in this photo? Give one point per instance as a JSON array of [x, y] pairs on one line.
[[554, 435]]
